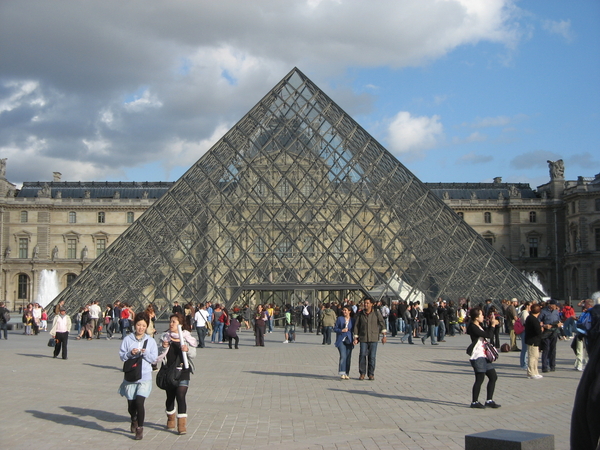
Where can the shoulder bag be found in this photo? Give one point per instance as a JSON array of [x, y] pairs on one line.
[[168, 376], [133, 367], [491, 354], [518, 327]]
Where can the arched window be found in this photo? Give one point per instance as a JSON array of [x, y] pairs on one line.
[[23, 287], [532, 217], [487, 217], [72, 217], [70, 278]]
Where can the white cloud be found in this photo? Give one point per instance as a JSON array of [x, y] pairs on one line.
[[147, 100], [561, 28], [23, 92], [409, 134], [205, 63]]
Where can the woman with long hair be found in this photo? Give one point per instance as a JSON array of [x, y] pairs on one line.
[[344, 341], [152, 318], [260, 326], [136, 392], [480, 364], [171, 350]]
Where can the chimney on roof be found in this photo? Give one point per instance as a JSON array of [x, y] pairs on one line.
[[57, 176]]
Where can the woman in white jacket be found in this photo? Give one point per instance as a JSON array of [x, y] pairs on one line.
[[133, 345]]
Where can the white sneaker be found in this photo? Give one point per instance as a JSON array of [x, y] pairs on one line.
[[286, 342]]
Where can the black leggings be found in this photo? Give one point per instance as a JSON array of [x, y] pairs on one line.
[[136, 410], [179, 394], [479, 377]]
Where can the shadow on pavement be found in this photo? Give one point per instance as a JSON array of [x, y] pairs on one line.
[[102, 367], [89, 424], [290, 374], [35, 355], [402, 397]]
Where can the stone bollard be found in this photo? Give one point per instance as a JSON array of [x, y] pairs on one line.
[[509, 440]]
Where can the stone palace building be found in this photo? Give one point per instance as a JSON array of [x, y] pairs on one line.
[[552, 233]]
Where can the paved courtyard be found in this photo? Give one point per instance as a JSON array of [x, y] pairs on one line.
[[282, 396]]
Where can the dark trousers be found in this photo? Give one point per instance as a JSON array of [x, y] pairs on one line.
[[235, 338], [366, 358], [61, 343], [259, 334], [548, 349], [201, 335], [4, 329], [307, 323]]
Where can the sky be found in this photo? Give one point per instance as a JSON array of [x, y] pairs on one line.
[[457, 90]]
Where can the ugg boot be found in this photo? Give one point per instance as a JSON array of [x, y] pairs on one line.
[[171, 420], [182, 423], [139, 433]]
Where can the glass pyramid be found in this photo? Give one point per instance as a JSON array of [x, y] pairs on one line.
[[297, 202]]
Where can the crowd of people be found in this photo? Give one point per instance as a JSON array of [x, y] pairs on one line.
[[537, 325]]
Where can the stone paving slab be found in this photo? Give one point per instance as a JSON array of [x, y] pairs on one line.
[[280, 396]]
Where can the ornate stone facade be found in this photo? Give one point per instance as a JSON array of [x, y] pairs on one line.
[[553, 232]]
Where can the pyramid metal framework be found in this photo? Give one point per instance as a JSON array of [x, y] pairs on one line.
[[296, 201]]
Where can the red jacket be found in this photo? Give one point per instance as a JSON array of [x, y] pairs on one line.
[[568, 311]]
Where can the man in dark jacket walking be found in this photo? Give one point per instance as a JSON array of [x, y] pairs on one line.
[[369, 324]]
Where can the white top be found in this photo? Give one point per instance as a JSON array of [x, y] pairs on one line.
[[201, 317]]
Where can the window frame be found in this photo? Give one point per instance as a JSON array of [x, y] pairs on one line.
[[72, 248], [72, 217], [101, 216]]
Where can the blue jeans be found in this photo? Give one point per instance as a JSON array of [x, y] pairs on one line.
[[345, 357], [432, 333], [4, 329], [327, 335], [271, 323], [407, 332], [400, 325], [217, 335], [366, 358], [569, 327], [523, 356], [441, 333]]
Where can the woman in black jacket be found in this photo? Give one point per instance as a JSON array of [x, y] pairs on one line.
[[480, 364], [533, 339]]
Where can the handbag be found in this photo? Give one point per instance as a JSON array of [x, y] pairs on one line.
[[168, 376], [491, 354], [518, 327], [51, 342], [133, 367]]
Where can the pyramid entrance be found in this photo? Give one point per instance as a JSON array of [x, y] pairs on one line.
[[296, 197]]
